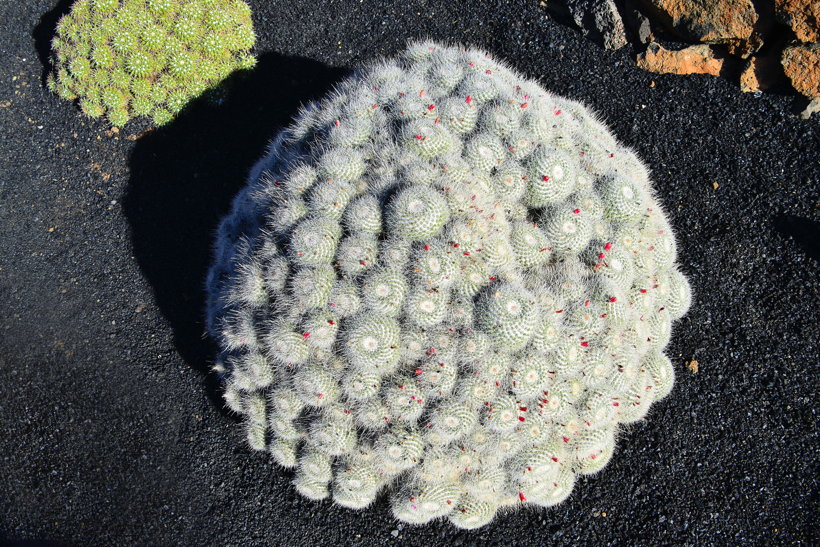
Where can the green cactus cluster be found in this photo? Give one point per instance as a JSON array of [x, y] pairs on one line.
[[445, 282], [124, 59]]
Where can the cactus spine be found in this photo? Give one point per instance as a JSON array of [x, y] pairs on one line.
[[448, 283]]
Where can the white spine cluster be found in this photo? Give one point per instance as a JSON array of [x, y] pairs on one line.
[[445, 281]]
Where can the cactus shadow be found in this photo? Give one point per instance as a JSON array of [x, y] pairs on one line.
[[44, 31], [184, 176], [804, 231]]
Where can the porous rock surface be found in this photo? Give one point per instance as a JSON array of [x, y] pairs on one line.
[[802, 16], [599, 19], [697, 59], [761, 72], [728, 22], [801, 63]]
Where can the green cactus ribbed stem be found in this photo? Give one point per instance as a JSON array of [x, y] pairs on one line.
[[164, 52]]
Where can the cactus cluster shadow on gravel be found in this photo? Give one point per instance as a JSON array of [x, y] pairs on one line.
[[184, 176], [43, 33]]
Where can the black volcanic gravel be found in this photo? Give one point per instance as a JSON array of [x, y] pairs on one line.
[[111, 431]]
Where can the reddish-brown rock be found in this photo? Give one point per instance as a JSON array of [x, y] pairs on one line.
[[803, 16], [761, 72], [729, 22], [699, 59], [801, 63]]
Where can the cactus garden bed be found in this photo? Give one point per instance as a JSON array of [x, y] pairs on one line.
[[115, 426]]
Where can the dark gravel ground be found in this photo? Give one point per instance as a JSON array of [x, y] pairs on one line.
[[112, 432]]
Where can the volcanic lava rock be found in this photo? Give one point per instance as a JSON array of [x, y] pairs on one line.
[[802, 16], [698, 59], [729, 22], [600, 21], [801, 63]]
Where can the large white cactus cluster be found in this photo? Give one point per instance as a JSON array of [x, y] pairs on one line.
[[444, 282]]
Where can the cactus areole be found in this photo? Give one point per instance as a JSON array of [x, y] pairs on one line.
[[444, 281]]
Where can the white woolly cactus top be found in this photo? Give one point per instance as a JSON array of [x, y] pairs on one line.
[[445, 282]]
